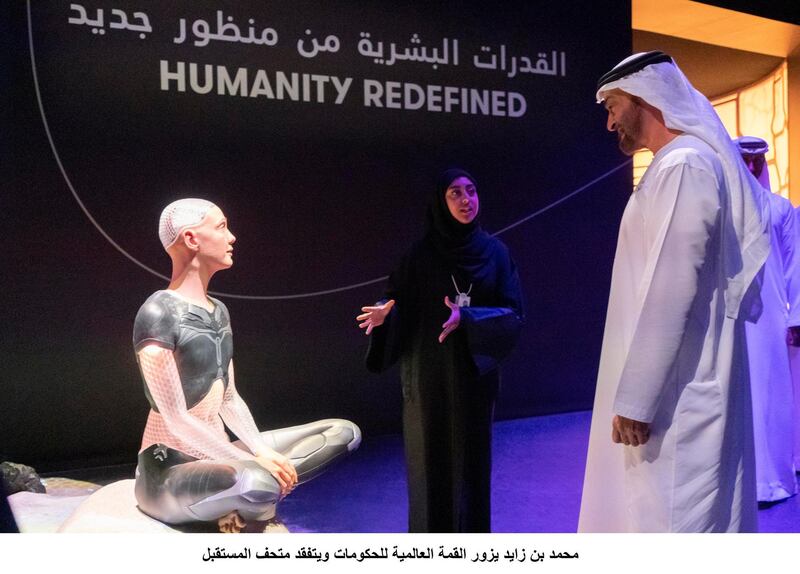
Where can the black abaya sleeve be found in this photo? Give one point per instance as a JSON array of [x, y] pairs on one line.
[[492, 332], [385, 341]]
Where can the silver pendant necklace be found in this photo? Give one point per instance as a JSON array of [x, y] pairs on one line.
[[462, 299]]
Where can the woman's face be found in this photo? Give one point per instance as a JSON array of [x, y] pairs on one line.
[[462, 200]]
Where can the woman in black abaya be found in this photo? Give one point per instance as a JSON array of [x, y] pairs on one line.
[[451, 312]]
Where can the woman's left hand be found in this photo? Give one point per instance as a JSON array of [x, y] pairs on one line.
[[452, 323]]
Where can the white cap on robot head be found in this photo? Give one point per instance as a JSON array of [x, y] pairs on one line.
[[180, 215]]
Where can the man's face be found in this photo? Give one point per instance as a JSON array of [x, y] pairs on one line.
[[625, 118], [755, 163]]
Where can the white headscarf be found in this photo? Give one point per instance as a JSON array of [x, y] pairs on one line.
[[751, 145], [180, 215], [745, 222]]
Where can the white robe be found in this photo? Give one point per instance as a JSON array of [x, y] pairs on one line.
[[770, 377], [672, 357]]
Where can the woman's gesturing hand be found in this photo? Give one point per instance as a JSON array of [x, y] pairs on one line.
[[453, 321], [374, 316]]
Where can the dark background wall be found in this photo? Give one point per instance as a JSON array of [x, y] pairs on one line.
[[320, 196]]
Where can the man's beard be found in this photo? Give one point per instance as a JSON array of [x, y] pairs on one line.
[[629, 134], [758, 167], [627, 144]]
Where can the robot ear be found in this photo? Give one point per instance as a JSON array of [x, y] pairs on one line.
[[189, 238]]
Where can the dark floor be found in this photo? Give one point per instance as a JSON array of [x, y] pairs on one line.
[[536, 481]]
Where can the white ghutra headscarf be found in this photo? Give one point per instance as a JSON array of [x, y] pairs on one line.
[[745, 231]]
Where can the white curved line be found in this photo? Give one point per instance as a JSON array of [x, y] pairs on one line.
[[563, 199], [236, 295], [61, 166]]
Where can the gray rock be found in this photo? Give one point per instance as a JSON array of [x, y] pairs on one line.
[[20, 478]]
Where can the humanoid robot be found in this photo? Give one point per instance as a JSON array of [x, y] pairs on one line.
[[188, 470]]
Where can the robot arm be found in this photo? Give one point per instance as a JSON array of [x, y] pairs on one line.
[[237, 416]]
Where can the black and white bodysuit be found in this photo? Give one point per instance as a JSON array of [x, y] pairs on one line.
[[188, 469]]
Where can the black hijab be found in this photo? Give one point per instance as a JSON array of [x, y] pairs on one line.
[[465, 247]]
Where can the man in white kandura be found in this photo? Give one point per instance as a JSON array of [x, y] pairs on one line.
[[770, 376], [672, 384]]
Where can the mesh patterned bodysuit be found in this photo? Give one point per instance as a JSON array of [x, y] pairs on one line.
[[188, 469]]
